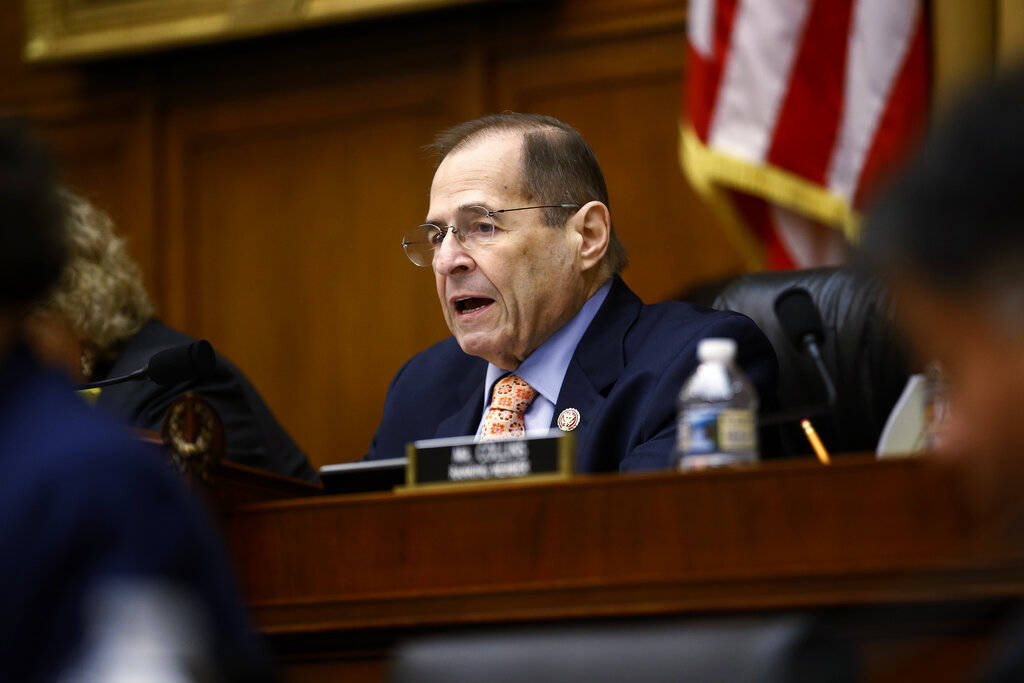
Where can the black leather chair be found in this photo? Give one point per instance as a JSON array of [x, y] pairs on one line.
[[767, 649], [862, 350]]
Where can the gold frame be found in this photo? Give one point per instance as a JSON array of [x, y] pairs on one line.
[[57, 30]]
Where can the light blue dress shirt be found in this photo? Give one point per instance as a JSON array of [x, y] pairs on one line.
[[544, 369]]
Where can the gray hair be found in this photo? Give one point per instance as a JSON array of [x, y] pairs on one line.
[[100, 291], [559, 167]]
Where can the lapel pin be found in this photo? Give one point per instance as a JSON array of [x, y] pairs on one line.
[[568, 419]]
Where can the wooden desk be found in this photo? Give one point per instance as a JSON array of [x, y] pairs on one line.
[[335, 581]]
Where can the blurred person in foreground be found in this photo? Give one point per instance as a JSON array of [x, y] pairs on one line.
[[110, 570], [545, 332], [949, 233], [99, 323]]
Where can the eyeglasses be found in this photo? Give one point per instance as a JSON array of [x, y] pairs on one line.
[[474, 226]]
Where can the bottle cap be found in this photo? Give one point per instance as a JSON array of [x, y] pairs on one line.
[[716, 350]]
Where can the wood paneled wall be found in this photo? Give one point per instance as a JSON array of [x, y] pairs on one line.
[[264, 185]]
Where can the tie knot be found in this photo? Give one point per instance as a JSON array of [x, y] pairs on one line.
[[512, 393]]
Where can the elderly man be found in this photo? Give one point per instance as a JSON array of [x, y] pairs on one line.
[[526, 263]]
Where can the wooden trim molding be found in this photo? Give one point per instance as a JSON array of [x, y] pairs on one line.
[[59, 30]]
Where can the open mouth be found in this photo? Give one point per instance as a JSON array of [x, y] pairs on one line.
[[471, 304]]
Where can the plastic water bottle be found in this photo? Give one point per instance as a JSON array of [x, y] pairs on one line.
[[717, 411]]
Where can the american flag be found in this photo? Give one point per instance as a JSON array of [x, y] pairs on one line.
[[794, 110]]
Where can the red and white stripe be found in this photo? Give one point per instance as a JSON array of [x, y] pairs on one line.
[[831, 91]]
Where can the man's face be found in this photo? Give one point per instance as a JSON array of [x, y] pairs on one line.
[[982, 362], [501, 300]]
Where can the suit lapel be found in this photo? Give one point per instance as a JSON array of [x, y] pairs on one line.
[[578, 392], [595, 366], [470, 400]]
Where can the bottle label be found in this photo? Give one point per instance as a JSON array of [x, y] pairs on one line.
[[711, 430]]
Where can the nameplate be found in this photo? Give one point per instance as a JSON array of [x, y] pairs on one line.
[[463, 460]]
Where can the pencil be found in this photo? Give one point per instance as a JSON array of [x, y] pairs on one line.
[[812, 436]]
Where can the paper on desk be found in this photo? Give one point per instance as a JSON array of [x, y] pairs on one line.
[[905, 431]]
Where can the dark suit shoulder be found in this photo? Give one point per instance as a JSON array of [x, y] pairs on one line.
[[673, 317], [680, 326], [154, 337], [440, 362], [254, 437], [425, 391]]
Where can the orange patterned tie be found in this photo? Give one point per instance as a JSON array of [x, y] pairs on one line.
[[509, 401]]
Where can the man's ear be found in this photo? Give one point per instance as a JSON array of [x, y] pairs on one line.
[[594, 225]]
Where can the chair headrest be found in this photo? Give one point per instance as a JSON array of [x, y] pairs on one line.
[[861, 348]]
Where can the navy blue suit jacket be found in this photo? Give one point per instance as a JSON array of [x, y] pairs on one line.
[[624, 379]]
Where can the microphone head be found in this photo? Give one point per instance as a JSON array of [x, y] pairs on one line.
[[798, 316], [182, 363]]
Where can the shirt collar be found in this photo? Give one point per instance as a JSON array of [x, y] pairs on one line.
[[544, 369]]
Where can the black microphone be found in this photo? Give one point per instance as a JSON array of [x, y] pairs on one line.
[[170, 366], [801, 322]]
